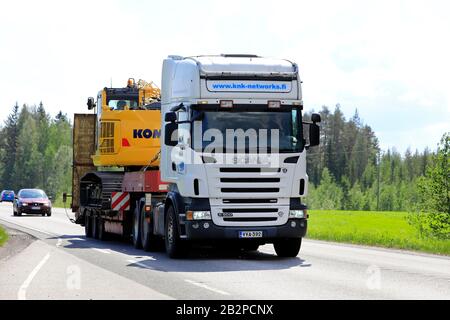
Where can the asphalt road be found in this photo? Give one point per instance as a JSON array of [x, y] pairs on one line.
[[63, 264]]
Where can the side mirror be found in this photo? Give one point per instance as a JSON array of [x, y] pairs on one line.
[[314, 135], [50, 198], [91, 103], [170, 117], [171, 134], [316, 118]]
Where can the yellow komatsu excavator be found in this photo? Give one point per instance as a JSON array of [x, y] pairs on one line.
[[117, 148], [128, 126]]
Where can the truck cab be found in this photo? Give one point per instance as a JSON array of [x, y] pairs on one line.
[[233, 151]]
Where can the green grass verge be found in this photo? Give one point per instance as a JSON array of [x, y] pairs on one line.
[[3, 236], [58, 203], [384, 229]]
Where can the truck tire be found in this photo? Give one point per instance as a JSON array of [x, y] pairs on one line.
[[150, 242], [174, 247], [288, 248], [101, 229], [94, 221], [136, 229], [87, 225]]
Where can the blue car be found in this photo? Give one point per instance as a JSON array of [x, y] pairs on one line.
[[7, 196]]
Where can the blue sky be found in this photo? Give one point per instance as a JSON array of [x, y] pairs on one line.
[[388, 59]]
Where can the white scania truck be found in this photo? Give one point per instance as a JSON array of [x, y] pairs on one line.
[[233, 153], [233, 158]]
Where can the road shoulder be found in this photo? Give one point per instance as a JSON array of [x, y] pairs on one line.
[[17, 242]]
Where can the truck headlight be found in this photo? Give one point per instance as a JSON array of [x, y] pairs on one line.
[[198, 215], [297, 214]]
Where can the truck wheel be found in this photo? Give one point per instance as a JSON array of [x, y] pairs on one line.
[[101, 229], [288, 248], [87, 225], [173, 243], [136, 231], [94, 220], [150, 242]]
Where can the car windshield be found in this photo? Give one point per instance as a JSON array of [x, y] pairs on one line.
[[258, 131], [32, 194]]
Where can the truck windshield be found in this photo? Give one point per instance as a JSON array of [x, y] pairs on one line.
[[250, 131]]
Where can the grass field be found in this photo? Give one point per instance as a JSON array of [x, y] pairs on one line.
[[3, 236], [383, 229], [58, 202]]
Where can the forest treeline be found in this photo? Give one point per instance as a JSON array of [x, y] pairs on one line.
[[349, 170], [36, 151]]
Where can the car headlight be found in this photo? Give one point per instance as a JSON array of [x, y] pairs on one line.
[[23, 204], [198, 215], [297, 214]]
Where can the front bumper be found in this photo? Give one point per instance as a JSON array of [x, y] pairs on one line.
[[29, 210], [270, 234]]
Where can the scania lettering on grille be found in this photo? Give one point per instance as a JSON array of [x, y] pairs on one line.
[[225, 215], [146, 134]]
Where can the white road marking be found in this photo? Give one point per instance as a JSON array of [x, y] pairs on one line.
[[150, 258], [102, 250], [59, 242], [139, 264], [21, 294], [78, 239], [204, 286]]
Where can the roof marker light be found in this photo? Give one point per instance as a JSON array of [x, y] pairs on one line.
[[226, 104], [274, 104]]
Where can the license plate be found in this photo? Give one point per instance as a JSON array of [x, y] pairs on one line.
[[35, 208], [250, 234]]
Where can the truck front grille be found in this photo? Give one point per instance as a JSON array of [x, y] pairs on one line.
[[249, 201], [257, 219], [250, 190]]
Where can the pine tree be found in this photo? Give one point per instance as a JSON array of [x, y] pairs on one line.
[[9, 147]]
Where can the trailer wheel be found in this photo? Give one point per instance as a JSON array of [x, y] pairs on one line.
[[87, 225], [136, 231], [174, 247], [288, 248]]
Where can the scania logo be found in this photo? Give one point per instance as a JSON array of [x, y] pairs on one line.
[[225, 214], [146, 134]]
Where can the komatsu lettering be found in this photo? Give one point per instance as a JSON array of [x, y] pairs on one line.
[[146, 134]]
